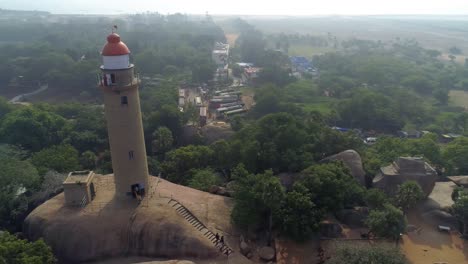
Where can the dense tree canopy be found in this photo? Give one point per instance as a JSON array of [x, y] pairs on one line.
[[387, 222], [17, 251]]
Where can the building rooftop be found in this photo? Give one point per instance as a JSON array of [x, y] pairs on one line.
[[75, 177]]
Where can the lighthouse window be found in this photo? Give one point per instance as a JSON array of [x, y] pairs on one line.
[[124, 100], [130, 155], [110, 79]]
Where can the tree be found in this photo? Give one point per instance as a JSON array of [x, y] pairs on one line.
[[5, 107], [458, 192], [298, 217], [358, 254], [370, 110], [61, 158], [256, 197], [168, 116], [17, 251], [88, 160], [162, 140], [455, 50], [460, 207], [331, 186], [180, 161], [204, 179], [32, 128], [408, 195], [375, 198], [442, 96], [455, 155], [203, 71], [16, 179], [387, 222], [452, 57]]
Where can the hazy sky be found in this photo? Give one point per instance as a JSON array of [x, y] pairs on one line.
[[247, 7]]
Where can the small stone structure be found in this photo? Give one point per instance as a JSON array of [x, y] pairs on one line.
[[79, 188], [406, 169]]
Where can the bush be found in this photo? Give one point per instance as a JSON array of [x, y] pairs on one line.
[[17, 251]]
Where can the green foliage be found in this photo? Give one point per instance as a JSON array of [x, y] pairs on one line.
[[17, 251], [388, 149], [460, 208], [356, 254], [283, 142], [61, 158], [455, 155], [162, 140], [203, 179], [178, 162], [5, 107], [375, 198], [298, 217], [32, 128], [370, 110], [168, 116], [222, 159], [408, 195], [88, 160], [256, 197], [331, 186], [16, 177], [441, 96], [459, 192], [387, 222]]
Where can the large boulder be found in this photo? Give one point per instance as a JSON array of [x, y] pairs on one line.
[[406, 169], [267, 253], [330, 227], [353, 217], [353, 161], [244, 248], [460, 180]]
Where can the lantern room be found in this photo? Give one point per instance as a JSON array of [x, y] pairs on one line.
[[115, 54]]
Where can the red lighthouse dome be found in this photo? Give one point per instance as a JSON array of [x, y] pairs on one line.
[[114, 46]]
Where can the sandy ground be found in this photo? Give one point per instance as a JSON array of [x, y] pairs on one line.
[[442, 194], [428, 245]]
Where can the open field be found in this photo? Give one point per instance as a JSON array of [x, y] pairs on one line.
[[460, 59], [307, 50], [321, 104], [459, 98], [435, 32]]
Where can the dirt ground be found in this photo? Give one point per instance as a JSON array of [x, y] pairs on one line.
[[231, 39], [428, 245]]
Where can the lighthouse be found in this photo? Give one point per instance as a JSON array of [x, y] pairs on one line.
[[119, 84]]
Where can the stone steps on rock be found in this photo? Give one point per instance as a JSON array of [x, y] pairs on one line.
[[185, 213]]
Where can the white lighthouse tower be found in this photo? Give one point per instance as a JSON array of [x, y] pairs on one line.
[[123, 114]]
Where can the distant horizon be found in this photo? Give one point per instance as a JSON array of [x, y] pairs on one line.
[[292, 8], [244, 15]]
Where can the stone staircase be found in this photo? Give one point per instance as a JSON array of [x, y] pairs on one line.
[[193, 220]]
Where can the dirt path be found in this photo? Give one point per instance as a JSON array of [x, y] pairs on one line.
[[21, 97]]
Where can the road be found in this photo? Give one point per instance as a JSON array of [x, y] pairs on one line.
[[21, 97]]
